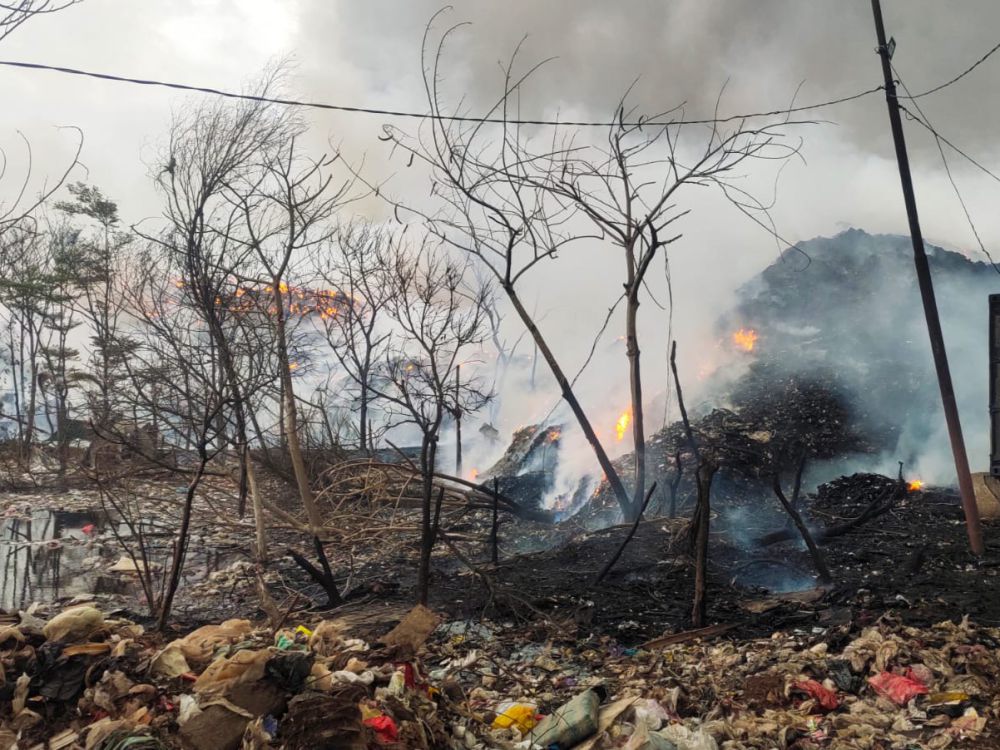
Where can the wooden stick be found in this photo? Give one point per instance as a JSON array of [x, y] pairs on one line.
[[628, 537]]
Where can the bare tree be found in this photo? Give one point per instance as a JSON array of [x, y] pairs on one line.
[[210, 147], [174, 348], [283, 208], [513, 204], [356, 330], [27, 295], [493, 210], [629, 191], [438, 318], [13, 13], [62, 373]]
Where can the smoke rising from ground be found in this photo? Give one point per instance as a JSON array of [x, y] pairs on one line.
[[685, 51]]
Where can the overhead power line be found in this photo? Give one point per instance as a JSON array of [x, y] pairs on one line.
[[424, 115], [938, 139], [923, 123], [957, 78]]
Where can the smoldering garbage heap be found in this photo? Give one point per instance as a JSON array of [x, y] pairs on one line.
[[841, 311], [848, 306], [83, 680], [772, 422]]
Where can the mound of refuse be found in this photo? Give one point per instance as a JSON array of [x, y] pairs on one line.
[[81, 679]]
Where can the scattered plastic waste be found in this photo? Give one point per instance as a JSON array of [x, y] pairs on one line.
[[898, 688], [520, 715], [81, 678], [572, 722]]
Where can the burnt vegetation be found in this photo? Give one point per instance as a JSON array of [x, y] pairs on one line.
[[263, 359]]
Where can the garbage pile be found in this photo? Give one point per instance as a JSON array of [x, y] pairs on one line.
[[82, 680]]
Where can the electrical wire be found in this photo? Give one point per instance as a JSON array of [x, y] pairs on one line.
[[920, 121], [925, 121], [424, 115], [957, 78]]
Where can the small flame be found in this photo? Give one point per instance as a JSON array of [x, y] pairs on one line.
[[915, 485], [554, 435], [745, 339], [473, 473], [622, 424]]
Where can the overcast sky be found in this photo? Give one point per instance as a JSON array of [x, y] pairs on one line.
[[367, 53]]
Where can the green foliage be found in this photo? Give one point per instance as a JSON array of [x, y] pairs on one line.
[[89, 201]]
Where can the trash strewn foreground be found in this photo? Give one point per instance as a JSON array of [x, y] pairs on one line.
[[80, 679]]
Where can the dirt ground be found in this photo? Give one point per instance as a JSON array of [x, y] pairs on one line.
[[912, 560], [545, 630]]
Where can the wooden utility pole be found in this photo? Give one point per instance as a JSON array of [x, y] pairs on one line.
[[927, 294]]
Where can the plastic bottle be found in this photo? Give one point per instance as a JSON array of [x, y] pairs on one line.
[[572, 722]]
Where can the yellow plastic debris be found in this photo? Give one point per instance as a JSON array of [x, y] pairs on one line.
[[74, 625], [953, 696], [520, 715]]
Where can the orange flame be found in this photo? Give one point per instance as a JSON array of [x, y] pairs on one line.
[[554, 435], [622, 424], [298, 301], [915, 485], [745, 339], [473, 473]]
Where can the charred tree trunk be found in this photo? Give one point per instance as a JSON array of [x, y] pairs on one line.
[[240, 410], [675, 484], [323, 577], [258, 505], [29, 431], [62, 428], [180, 544], [632, 287], [458, 421], [566, 388], [814, 551], [363, 416], [702, 515], [428, 456]]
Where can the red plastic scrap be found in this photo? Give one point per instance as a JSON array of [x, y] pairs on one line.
[[825, 699], [385, 728], [409, 674], [898, 688]]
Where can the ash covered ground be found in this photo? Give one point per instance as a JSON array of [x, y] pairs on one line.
[[845, 396]]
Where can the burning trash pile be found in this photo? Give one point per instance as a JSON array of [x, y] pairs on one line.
[[84, 680], [775, 424], [867, 330]]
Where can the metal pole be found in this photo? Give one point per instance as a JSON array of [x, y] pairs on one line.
[[927, 296]]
